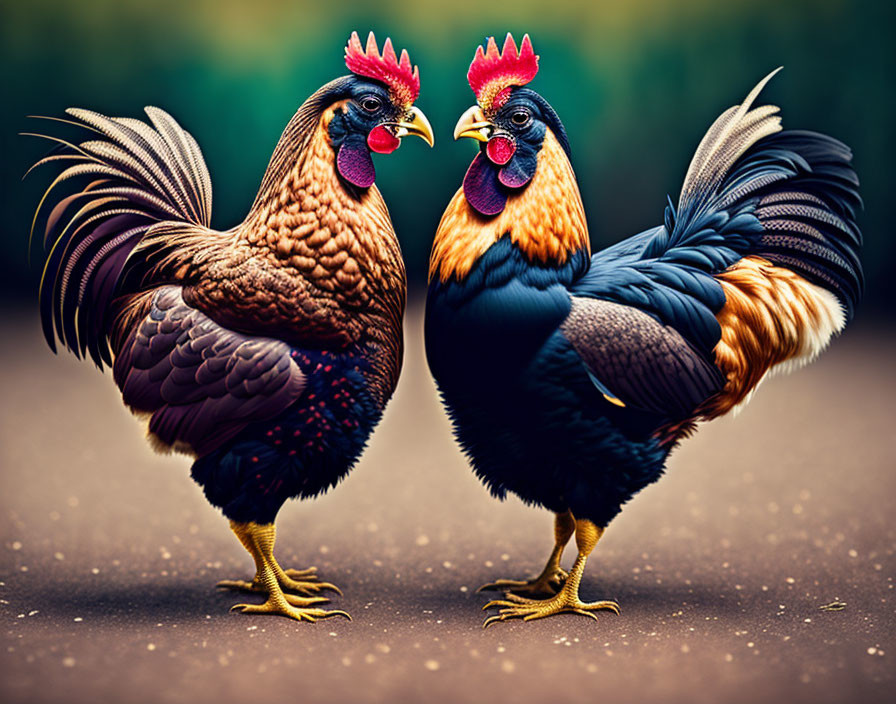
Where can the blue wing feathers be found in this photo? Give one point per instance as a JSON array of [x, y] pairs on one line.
[[791, 198]]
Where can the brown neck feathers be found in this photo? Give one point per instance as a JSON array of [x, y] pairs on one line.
[[316, 262]]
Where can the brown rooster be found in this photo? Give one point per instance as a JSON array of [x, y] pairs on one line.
[[266, 352]]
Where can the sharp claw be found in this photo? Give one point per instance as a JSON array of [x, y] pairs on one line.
[[514, 606], [492, 619], [498, 585], [310, 588], [537, 585], [295, 612]]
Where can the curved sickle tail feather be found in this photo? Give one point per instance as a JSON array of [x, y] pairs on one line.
[[777, 209], [799, 185], [140, 175]]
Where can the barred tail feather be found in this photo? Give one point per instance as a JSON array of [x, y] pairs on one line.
[[727, 139], [777, 210], [140, 175], [809, 221], [798, 185]]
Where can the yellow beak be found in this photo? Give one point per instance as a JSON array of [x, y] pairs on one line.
[[416, 124], [474, 125]]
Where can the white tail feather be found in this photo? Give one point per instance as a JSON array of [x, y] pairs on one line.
[[735, 131]]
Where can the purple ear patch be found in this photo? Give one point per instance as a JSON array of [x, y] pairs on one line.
[[481, 187], [515, 174], [355, 164]]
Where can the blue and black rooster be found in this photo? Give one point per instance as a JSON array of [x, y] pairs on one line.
[[569, 377]]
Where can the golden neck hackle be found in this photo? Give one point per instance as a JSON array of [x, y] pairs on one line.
[[546, 220], [316, 257], [315, 223]]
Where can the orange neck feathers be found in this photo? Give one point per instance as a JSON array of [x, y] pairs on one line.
[[546, 220]]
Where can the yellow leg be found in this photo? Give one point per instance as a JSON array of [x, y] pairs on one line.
[[301, 581], [567, 599], [259, 541], [552, 576]]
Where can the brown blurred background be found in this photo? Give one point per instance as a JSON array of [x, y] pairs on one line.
[[108, 553]]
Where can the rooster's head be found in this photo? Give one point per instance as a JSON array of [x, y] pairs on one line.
[[509, 120], [377, 110]]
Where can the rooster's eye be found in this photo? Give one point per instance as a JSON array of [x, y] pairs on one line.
[[371, 104], [519, 118]]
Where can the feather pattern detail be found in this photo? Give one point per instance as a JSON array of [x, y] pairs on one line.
[[773, 321], [751, 190], [144, 174], [201, 384], [728, 138]]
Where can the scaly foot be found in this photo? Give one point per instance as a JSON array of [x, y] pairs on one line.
[[546, 584], [302, 582], [290, 606], [308, 573], [565, 601]]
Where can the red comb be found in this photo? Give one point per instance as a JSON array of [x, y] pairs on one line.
[[403, 82], [492, 74]]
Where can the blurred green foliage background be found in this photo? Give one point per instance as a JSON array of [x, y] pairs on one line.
[[636, 83]]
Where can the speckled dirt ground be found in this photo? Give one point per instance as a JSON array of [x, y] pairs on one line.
[[110, 555]]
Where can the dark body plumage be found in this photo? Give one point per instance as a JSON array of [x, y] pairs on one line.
[[308, 448], [520, 398], [570, 377], [286, 422]]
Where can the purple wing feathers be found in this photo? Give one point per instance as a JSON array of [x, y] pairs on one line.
[[201, 383]]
